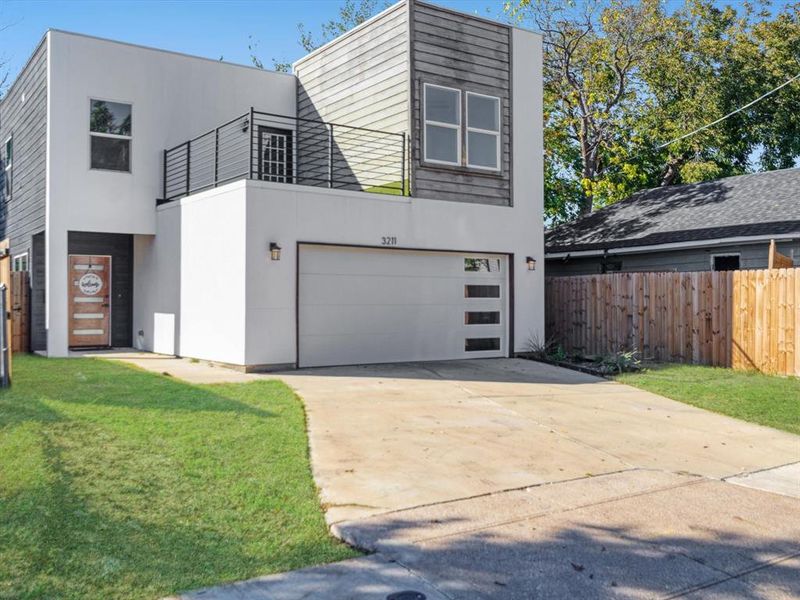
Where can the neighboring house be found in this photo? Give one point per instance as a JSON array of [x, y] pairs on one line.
[[381, 204], [713, 226]]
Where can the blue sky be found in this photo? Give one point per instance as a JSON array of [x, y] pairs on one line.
[[208, 28]]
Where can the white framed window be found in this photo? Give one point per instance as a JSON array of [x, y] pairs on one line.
[[483, 131], [20, 262], [442, 117], [8, 166], [110, 135]]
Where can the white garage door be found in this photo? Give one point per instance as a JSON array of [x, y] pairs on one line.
[[362, 306]]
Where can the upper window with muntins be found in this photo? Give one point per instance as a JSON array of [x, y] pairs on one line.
[[445, 134], [442, 125], [110, 130], [483, 131]]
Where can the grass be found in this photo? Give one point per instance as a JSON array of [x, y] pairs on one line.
[[764, 399], [394, 188], [117, 483]]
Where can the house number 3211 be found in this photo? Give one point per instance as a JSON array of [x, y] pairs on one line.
[[389, 241]]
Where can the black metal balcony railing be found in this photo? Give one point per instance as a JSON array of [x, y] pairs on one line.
[[269, 147]]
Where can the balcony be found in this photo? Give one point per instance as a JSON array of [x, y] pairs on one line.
[[281, 149]]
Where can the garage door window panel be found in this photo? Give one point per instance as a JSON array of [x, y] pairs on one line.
[[481, 291], [482, 265], [482, 317], [483, 344]]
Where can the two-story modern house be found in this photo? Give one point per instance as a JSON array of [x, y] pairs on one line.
[[383, 203]]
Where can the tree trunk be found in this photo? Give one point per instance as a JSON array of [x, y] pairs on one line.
[[671, 171]]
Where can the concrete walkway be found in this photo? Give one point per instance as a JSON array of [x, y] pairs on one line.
[[513, 479]]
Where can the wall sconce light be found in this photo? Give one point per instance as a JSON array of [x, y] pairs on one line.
[[531, 263], [245, 125], [274, 251]]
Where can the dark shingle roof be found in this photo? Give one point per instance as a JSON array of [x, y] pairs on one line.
[[756, 204]]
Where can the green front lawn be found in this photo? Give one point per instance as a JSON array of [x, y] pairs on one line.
[[116, 483], [764, 399]]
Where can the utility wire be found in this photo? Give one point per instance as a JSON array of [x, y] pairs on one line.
[[730, 114]]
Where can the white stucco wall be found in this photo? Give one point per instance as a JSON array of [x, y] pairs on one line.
[[238, 306], [203, 283], [174, 97], [528, 181]]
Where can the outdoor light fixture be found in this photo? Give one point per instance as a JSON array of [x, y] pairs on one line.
[[245, 125], [531, 263], [274, 251]]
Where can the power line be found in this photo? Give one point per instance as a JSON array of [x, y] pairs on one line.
[[730, 114]]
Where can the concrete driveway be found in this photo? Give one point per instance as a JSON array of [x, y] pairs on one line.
[[511, 479], [390, 437]]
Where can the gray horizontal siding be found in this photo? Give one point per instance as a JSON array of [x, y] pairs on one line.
[[753, 256], [470, 54], [360, 80], [23, 214]]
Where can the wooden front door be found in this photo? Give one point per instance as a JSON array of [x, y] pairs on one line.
[[89, 300]]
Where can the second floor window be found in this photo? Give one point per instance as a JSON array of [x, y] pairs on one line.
[[444, 134], [8, 167], [110, 130], [442, 108], [483, 131]]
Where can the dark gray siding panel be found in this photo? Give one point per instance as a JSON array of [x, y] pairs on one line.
[[23, 115], [473, 55], [120, 248], [752, 256], [38, 329]]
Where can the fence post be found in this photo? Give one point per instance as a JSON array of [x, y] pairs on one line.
[[5, 346], [330, 155], [216, 156], [252, 135], [165, 176], [403, 169]]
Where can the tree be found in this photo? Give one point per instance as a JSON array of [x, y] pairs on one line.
[[351, 14], [624, 79], [3, 69]]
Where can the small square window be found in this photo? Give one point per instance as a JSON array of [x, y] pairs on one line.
[[726, 262], [111, 154], [20, 262], [8, 170], [442, 105], [110, 117]]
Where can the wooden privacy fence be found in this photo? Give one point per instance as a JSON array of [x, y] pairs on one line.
[[739, 319]]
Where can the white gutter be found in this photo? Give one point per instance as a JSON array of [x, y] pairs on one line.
[[677, 245]]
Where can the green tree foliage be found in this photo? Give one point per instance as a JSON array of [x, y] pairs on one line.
[[624, 78], [351, 14]]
